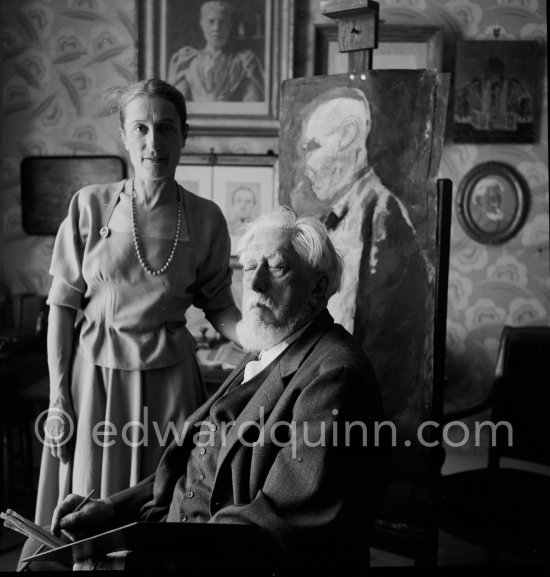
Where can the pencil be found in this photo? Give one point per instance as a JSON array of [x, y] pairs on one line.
[[77, 508], [84, 501]]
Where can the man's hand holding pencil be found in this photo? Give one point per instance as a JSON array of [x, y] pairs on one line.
[[78, 517], [75, 518]]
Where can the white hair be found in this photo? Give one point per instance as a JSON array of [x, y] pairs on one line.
[[309, 239]]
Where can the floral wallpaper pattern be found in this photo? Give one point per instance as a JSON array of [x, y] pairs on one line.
[[59, 56], [57, 59]]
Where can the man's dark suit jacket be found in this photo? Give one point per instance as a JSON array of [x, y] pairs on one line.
[[316, 502]]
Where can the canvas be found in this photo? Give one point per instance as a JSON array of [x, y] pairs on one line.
[[362, 152]]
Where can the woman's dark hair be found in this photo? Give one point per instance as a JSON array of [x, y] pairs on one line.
[[122, 96]]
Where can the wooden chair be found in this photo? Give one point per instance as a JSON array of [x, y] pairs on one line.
[[505, 507]]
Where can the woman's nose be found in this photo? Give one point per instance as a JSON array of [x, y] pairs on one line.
[[151, 138]]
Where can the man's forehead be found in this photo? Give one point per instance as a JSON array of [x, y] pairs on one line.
[[312, 128], [318, 126], [270, 243]]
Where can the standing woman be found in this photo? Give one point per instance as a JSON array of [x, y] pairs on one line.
[[128, 261]]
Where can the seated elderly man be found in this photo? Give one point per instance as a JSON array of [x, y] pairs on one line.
[[291, 445]]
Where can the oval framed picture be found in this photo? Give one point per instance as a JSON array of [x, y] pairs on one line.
[[492, 202]]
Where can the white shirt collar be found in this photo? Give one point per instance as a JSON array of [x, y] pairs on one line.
[[252, 368]]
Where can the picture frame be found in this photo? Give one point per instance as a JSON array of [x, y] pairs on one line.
[[196, 178], [492, 203], [243, 193], [48, 184], [496, 91], [399, 47], [242, 185], [229, 98]]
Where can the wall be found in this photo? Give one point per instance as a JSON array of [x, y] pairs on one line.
[[59, 57]]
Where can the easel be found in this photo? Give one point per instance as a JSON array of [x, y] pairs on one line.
[[358, 22], [357, 29]]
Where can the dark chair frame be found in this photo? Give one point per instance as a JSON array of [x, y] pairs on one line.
[[500, 507]]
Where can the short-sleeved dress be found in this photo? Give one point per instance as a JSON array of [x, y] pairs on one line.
[[135, 377]]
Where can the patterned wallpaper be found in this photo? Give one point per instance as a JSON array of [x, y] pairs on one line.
[[59, 56]]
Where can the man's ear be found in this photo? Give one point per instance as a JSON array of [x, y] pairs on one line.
[[319, 290], [348, 131]]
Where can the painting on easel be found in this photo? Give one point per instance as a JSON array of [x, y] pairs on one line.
[[362, 151]]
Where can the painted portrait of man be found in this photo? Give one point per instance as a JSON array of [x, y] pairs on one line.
[[358, 156]]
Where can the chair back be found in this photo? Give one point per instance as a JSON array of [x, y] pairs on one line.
[[522, 395]]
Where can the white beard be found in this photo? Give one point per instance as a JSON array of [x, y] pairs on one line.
[[255, 336]]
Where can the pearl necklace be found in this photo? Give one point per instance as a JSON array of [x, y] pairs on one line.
[[137, 241]]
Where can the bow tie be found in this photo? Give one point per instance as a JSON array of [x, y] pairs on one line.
[[332, 220]]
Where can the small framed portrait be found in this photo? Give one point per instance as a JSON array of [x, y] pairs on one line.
[[227, 57], [492, 203], [496, 91], [196, 178], [243, 193], [242, 185]]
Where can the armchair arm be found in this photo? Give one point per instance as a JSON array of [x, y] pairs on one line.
[[473, 409]]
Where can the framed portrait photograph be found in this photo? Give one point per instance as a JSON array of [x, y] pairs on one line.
[[243, 193], [495, 91], [399, 47], [197, 178], [492, 203], [228, 58], [242, 185]]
